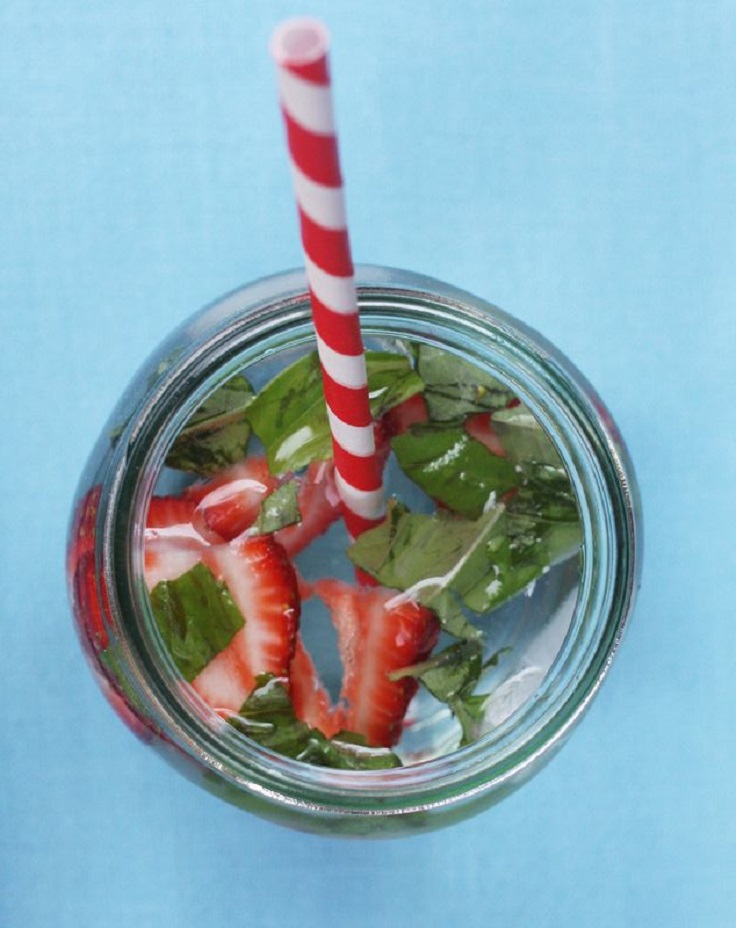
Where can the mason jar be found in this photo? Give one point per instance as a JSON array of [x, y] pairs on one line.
[[558, 637]]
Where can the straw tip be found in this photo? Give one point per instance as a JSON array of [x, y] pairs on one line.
[[299, 41]]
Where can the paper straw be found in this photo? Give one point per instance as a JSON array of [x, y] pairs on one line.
[[300, 49]]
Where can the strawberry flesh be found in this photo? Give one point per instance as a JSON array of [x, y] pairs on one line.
[[263, 585], [479, 427], [401, 417], [165, 511], [378, 633], [89, 599], [319, 505], [311, 701], [229, 504]]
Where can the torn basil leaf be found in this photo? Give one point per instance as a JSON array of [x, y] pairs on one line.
[[452, 677], [217, 434], [453, 565], [268, 718], [289, 414], [197, 618], [453, 468], [455, 388], [279, 509], [523, 438], [452, 673]]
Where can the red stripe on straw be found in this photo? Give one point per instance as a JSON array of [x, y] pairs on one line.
[[328, 248], [317, 72], [337, 330], [314, 154], [346, 402], [365, 472], [299, 48]]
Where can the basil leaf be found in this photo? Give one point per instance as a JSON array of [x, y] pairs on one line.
[[279, 509], [348, 751], [391, 380], [523, 438], [452, 673], [453, 468], [289, 414], [268, 718], [452, 676], [289, 417], [435, 558], [470, 712], [217, 434], [545, 493], [115, 664], [455, 388], [197, 618], [452, 565]]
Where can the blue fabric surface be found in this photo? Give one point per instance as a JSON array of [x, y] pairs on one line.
[[572, 163]]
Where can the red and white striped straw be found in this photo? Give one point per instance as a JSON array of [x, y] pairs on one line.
[[300, 50]]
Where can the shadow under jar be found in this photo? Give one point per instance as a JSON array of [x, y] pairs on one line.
[[544, 651]]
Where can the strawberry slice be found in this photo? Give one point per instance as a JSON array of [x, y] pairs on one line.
[[89, 601], [168, 556], [82, 530], [400, 418], [172, 545], [309, 697], [263, 585], [165, 511], [229, 504], [378, 633], [319, 505], [479, 427]]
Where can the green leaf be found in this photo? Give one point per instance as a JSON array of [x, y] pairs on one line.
[[455, 388], [391, 380], [279, 509], [453, 468], [268, 718], [450, 674], [289, 417], [289, 414], [435, 557], [545, 493], [217, 434], [115, 663], [197, 618], [523, 438], [453, 565], [347, 750], [470, 711]]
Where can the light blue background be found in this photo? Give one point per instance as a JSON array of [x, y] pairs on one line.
[[572, 162]]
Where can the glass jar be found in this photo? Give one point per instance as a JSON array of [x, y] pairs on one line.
[[561, 658]]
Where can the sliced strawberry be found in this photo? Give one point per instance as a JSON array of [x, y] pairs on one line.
[[382, 439], [229, 503], [172, 545], [311, 700], [169, 553], [319, 505], [83, 527], [263, 585], [88, 594], [479, 427], [91, 607], [400, 418], [165, 511], [378, 633]]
